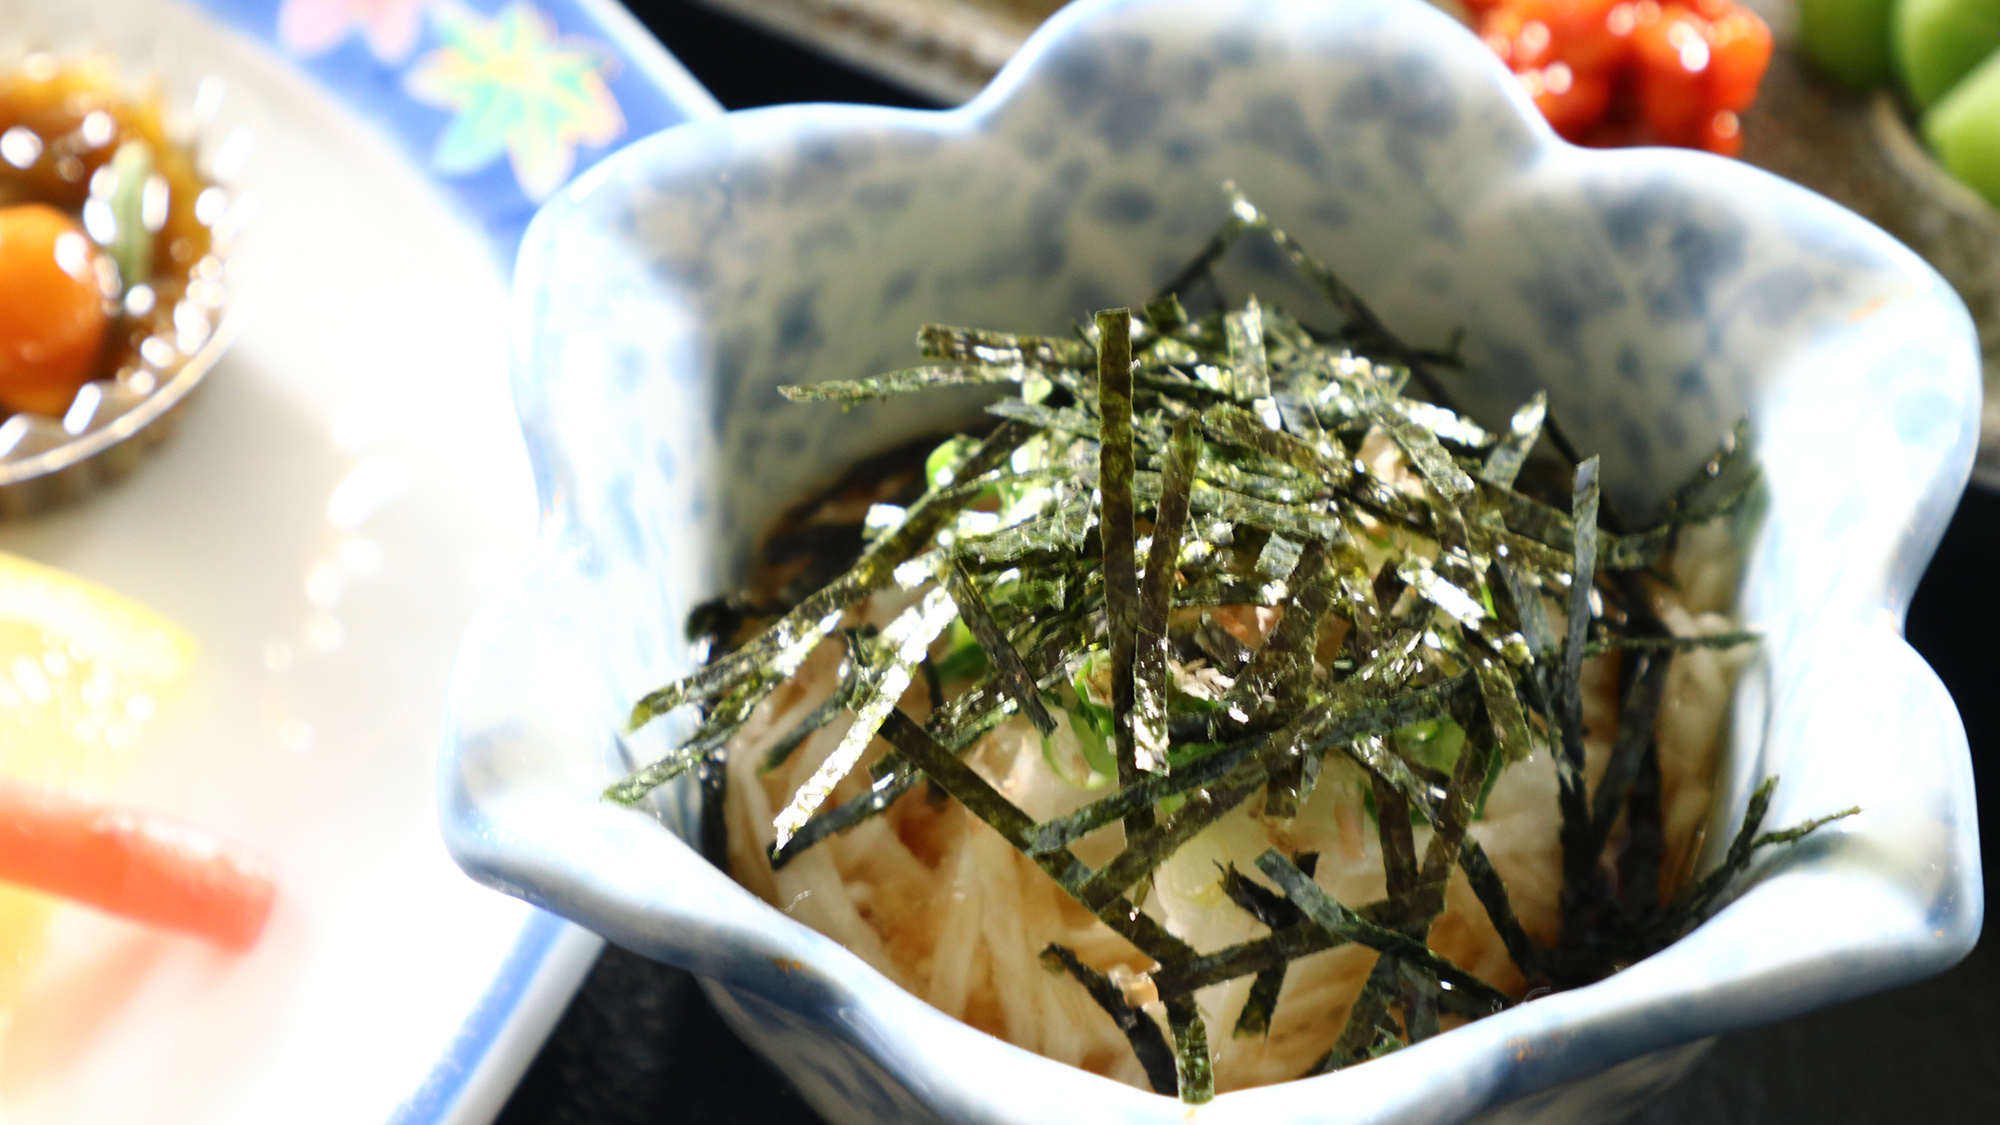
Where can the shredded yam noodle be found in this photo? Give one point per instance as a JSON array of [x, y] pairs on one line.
[[937, 901]]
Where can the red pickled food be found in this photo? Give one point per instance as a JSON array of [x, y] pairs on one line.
[[1634, 71]]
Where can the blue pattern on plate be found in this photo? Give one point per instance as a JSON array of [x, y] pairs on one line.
[[374, 72], [381, 74], [432, 1102], [674, 286]]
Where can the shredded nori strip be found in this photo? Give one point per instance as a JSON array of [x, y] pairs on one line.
[[1326, 912], [977, 794], [1503, 465], [723, 720], [1335, 723], [1645, 843], [1003, 349], [890, 670], [713, 777], [886, 791], [785, 644], [1430, 458], [1634, 739], [1148, 1042], [1399, 865], [1193, 1066], [1035, 535], [1116, 531], [1579, 861], [1279, 674], [1240, 427], [1719, 464], [1366, 1031], [1245, 333], [818, 717], [1255, 956], [1276, 914], [1392, 823], [1672, 644], [904, 381], [1254, 1019], [1699, 899], [1492, 894], [1149, 658], [1419, 999], [1013, 674]]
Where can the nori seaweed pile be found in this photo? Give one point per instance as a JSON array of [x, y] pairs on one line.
[[1168, 462]]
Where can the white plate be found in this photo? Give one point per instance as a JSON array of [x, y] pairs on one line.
[[335, 505]]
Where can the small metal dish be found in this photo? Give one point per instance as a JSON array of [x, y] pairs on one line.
[[113, 423], [110, 428]]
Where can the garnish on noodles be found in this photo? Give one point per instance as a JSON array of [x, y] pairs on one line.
[[1225, 714]]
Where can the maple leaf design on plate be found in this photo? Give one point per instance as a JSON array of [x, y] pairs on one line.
[[516, 87]]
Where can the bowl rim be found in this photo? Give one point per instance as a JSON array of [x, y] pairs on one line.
[[484, 832]]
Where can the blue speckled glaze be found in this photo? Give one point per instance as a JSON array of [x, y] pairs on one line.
[[1657, 295]]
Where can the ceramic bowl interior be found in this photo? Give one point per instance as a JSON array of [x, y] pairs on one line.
[[1657, 295], [113, 423]]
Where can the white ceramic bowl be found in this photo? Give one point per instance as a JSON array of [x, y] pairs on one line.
[[1658, 295]]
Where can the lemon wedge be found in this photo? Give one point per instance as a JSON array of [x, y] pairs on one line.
[[82, 670]]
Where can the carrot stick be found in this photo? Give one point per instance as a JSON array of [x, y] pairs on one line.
[[137, 864]]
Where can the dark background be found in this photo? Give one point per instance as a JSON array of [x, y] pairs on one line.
[[640, 1043]]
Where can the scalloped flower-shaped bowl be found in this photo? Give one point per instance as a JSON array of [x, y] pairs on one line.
[[1657, 295]]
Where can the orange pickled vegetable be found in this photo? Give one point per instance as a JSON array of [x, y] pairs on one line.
[[52, 313], [140, 865]]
